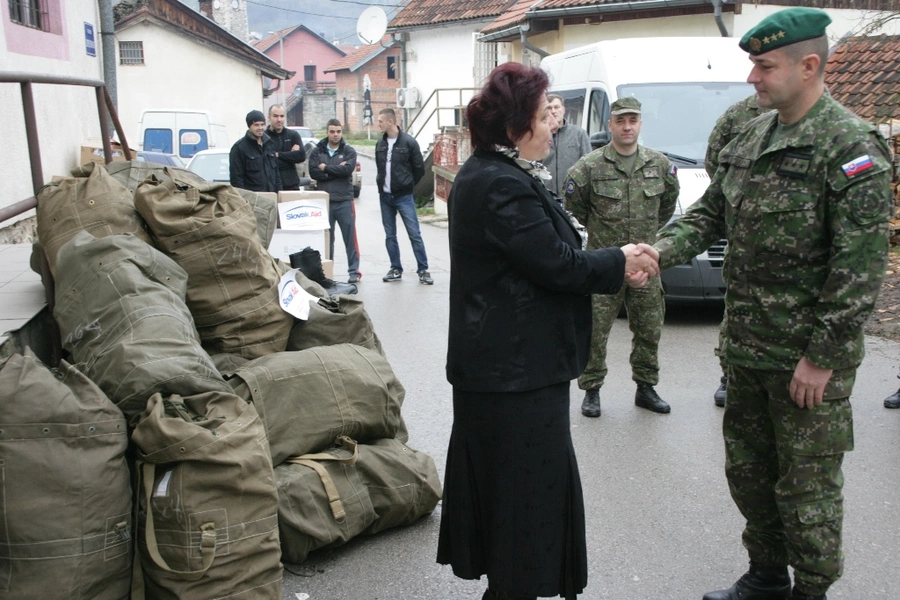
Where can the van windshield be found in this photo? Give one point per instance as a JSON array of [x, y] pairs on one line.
[[678, 117]]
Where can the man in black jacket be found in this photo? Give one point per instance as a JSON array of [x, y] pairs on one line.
[[400, 167], [252, 160], [331, 164], [289, 150]]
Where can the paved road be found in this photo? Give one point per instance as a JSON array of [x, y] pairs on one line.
[[660, 522]]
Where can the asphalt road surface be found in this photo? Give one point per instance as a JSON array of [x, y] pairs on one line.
[[660, 522]]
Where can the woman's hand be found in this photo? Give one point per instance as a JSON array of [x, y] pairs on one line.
[[641, 263]]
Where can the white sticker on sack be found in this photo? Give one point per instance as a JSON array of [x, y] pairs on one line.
[[292, 298]]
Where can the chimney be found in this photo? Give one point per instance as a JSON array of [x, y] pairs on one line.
[[206, 8]]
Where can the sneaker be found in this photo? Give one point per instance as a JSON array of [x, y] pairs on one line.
[[393, 275], [425, 277], [354, 278]]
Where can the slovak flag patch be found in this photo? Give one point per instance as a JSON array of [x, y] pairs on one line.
[[858, 166]]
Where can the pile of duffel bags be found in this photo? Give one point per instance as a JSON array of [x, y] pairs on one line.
[[250, 435]]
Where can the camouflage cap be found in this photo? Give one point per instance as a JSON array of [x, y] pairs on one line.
[[623, 106], [785, 27]]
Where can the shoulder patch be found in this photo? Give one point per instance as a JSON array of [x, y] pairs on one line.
[[857, 166], [570, 187], [673, 170]]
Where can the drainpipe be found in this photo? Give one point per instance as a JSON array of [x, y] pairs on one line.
[[524, 28], [717, 15], [108, 48]]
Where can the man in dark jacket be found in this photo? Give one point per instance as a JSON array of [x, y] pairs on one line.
[[331, 164], [289, 151], [400, 167], [252, 160]]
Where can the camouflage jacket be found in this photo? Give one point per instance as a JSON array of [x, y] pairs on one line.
[[728, 126], [807, 224], [618, 208]]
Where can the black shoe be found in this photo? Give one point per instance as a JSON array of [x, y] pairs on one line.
[[719, 396], [798, 595], [893, 401], [646, 397], [759, 583], [354, 278], [590, 407], [425, 277], [393, 275], [338, 287]]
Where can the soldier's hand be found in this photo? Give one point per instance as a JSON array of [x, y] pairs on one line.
[[640, 264], [808, 384]]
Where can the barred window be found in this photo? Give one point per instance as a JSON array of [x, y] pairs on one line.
[[131, 53], [30, 13]]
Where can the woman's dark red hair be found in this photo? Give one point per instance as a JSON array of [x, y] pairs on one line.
[[506, 105]]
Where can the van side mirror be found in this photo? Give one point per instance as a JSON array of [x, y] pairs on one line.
[[599, 139]]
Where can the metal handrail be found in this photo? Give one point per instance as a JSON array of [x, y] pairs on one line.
[[435, 114]]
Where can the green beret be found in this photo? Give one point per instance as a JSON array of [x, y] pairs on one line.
[[785, 27], [624, 106]]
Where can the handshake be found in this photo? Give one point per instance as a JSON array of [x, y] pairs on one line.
[[641, 263]]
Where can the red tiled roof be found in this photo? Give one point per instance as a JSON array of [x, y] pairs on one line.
[[272, 39], [514, 15], [863, 74], [418, 13], [361, 55]]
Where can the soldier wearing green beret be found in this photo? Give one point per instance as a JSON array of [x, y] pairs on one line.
[[624, 193], [803, 196]]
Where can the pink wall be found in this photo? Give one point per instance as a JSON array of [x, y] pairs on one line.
[[34, 42], [302, 48]]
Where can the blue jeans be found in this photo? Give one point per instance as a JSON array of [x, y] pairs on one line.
[[390, 206]]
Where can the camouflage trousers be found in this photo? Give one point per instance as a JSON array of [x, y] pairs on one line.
[[783, 466], [646, 312]]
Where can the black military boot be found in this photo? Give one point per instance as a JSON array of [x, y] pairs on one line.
[[719, 396], [759, 583], [646, 397], [893, 401], [798, 595], [309, 262], [591, 405]]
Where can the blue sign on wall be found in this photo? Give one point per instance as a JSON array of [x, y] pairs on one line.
[[89, 45]]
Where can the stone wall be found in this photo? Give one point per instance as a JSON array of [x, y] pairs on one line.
[[317, 109]]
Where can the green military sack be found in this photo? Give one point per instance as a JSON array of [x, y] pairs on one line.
[[207, 503], [90, 200], [65, 493], [334, 320], [321, 501], [211, 232], [121, 314], [308, 398], [403, 484]]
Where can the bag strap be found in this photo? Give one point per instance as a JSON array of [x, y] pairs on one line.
[[310, 460], [207, 533]]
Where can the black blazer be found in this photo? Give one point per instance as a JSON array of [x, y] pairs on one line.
[[520, 285]]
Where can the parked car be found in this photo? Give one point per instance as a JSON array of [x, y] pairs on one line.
[[306, 134], [161, 158], [212, 165]]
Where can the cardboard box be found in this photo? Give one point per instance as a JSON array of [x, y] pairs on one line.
[[291, 195], [92, 151], [310, 214], [328, 267], [286, 242]]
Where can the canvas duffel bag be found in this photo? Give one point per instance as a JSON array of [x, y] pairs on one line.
[[335, 320], [321, 501], [210, 231], [121, 314], [208, 506], [308, 398], [65, 493], [90, 200]]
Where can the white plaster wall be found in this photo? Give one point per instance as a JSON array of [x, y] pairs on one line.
[[683, 26], [179, 73], [66, 115]]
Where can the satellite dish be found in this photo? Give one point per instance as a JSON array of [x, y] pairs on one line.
[[371, 25]]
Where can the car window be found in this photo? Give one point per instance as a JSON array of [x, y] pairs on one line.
[[211, 167]]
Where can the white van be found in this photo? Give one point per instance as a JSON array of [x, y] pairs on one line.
[[181, 132], [684, 85]]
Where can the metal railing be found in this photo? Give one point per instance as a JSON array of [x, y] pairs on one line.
[[447, 110], [106, 112]]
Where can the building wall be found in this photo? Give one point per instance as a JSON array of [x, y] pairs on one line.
[[66, 115], [317, 109], [382, 92], [207, 80], [301, 48]]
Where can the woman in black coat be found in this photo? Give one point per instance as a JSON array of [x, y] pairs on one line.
[[520, 329]]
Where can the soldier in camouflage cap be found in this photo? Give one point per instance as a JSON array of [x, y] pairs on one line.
[[803, 196], [623, 193]]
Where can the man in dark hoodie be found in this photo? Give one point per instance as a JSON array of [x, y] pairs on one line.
[[289, 150], [331, 164], [252, 161]]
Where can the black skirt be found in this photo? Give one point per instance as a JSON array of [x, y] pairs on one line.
[[513, 508]]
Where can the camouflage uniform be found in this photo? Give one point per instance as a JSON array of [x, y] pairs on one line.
[[807, 226], [618, 208], [727, 127]]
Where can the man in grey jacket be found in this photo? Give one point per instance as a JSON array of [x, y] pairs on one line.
[[570, 142]]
